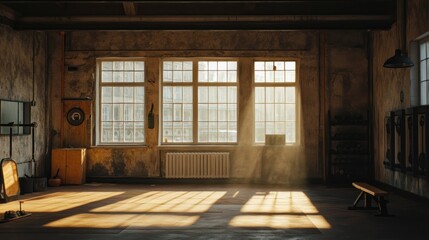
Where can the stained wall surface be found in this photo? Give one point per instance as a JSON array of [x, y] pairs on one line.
[[388, 85], [77, 80], [23, 77]]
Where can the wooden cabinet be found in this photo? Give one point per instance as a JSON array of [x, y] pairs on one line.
[[72, 165]]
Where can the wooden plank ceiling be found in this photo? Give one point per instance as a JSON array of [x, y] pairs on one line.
[[194, 15]]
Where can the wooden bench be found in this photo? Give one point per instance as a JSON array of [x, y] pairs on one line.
[[369, 192]]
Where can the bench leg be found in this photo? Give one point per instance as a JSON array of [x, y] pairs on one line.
[[358, 199], [382, 207], [368, 199]]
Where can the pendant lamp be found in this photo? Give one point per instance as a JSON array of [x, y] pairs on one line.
[[400, 59]]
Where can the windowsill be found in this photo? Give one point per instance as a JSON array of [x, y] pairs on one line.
[[119, 146], [201, 146]]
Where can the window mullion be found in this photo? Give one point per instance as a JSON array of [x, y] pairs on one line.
[[195, 85]]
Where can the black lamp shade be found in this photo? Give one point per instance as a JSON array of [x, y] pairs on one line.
[[398, 61]]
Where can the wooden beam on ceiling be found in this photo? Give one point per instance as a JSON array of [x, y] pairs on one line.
[[129, 8]]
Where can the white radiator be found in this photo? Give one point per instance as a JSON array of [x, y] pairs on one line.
[[197, 165]]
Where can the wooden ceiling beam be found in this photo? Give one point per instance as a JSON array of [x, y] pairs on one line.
[[129, 8]]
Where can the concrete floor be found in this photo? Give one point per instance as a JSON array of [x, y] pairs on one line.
[[122, 211]]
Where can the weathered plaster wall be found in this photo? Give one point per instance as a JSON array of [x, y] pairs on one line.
[[16, 83], [387, 85], [280, 164]]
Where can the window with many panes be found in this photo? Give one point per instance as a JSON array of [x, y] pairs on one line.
[[199, 101], [424, 71], [121, 101], [275, 99]]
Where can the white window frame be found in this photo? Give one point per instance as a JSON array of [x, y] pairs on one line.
[[294, 84], [100, 84], [195, 84]]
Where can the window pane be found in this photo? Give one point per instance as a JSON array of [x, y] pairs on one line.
[[423, 51], [259, 66], [129, 112], [232, 65], [139, 132], [187, 112], [279, 112], [187, 76], [118, 112], [203, 112], [260, 112], [106, 131], [118, 94], [187, 94], [279, 93], [203, 132], [203, 66], [129, 132], [274, 106], [139, 77], [128, 94], [259, 132], [107, 112], [269, 94], [167, 94], [259, 76], [232, 132], [106, 76], [138, 66], [177, 132], [423, 92], [139, 112], [129, 76], [167, 112], [117, 76], [187, 66], [290, 132], [260, 95], [213, 132], [167, 65], [290, 76], [213, 112], [232, 76], [118, 132], [106, 65], [222, 95], [119, 66], [122, 107], [222, 112], [106, 95], [213, 95], [139, 94], [423, 70], [269, 112], [177, 114], [222, 132], [203, 94], [290, 65], [290, 95], [232, 94], [187, 132], [232, 112]]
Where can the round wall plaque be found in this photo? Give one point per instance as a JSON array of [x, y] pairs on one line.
[[75, 116]]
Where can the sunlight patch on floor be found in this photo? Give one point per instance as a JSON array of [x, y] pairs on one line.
[[104, 221], [59, 201], [166, 201], [279, 202]]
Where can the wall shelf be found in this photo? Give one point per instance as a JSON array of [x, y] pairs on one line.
[[347, 149]]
